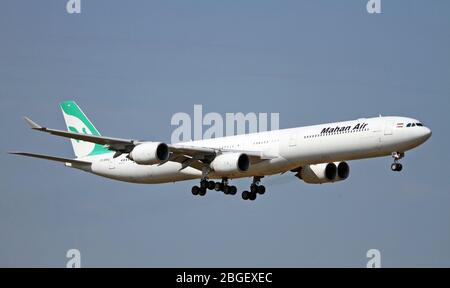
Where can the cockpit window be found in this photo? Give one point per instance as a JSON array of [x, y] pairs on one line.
[[414, 124]]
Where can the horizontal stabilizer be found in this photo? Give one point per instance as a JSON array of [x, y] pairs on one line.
[[52, 158]]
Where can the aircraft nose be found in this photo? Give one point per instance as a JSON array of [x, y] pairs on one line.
[[425, 133], [428, 132]]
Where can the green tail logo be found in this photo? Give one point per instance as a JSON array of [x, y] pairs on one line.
[[76, 121]]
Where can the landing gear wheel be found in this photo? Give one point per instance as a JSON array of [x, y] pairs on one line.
[[261, 190], [232, 190], [245, 195], [211, 185], [397, 156], [256, 187], [195, 190], [218, 186], [252, 196], [226, 190], [396, 167], [203, 184], [202, 191]]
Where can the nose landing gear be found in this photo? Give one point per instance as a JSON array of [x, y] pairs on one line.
[[396, 166]]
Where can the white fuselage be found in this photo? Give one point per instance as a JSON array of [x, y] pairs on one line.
[[285, 149]]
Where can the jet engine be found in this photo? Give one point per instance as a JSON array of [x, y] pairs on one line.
[[343, 171], [229, 163], [324, 172], [150, 153]]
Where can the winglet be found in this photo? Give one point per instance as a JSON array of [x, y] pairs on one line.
[[31, 123]]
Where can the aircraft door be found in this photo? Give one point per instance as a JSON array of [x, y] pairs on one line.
[[111, 164], [293, 140], [388, 126]]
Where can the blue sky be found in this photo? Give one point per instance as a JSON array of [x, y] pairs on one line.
[[132, 66]]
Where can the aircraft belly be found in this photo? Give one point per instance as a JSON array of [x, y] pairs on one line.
[[132, 172], [129, 172], [170, 172]]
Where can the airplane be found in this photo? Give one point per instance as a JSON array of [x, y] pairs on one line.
[[316, 154]]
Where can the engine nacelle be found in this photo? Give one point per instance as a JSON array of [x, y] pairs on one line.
[[318, 173], [324, 173], [150, 153], [343, 171], [229, 163]]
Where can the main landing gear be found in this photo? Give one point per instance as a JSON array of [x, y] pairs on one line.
[[199, 190], [255, 188], [224, 187], [211, 185], [397, 166], [204, 183]]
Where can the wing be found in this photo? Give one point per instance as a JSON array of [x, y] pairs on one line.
[[188, 156], [114, 144], [206, 152], [194, 156]]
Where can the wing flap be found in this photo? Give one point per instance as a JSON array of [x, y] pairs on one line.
[[210, 153], [186, 161], [192, 151]]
